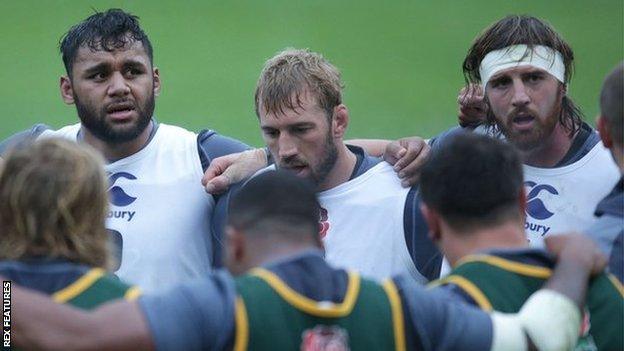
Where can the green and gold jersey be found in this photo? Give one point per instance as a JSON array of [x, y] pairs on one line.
[[93, 289], [504, 283], [270, 315], [67, 282]]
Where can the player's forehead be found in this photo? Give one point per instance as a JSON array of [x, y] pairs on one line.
[[131, 51], [304, 108], [517, 71]]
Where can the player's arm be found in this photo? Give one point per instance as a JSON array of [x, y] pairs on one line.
[[407, 155], [40, 324], [194, 316], [550, 319]]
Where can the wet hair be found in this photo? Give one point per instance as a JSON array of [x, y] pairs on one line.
[[612, 101], [473, 181], [530, 31], [276, 202], [110, 30], [290, 74], [53, 203]]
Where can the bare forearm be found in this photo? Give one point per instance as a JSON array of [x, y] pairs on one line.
[[570, 279]]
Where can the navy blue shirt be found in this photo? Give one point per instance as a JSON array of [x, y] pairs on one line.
[[46, 275]]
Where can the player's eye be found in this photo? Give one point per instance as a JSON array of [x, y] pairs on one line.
[[300, 130], [134, 72], [97, 76], [499, 83], [270, 133], [534, 77]]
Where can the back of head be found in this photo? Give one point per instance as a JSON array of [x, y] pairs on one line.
[[612, 103], [473, 181], [276, 203], [110, 30], [53, 203], [532, 32], [292, 73]]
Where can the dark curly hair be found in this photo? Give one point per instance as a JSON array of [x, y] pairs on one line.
[[109, 30]]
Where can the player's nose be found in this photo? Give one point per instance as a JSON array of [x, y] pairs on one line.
[[286, 146], [118, 86], [520, 96]]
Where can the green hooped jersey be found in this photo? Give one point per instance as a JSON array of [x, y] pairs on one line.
[[272, 316], [93, 289], [496, 283]]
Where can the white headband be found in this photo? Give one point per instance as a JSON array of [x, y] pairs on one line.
[[542, 57]]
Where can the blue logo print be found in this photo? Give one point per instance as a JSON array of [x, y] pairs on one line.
[[535, 206], [117, 195]]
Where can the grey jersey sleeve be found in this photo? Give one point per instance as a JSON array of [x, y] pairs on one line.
[[198, 315], [19, 137], [608, 232], [435, 322]]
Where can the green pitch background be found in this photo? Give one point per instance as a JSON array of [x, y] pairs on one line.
[[400, 59]]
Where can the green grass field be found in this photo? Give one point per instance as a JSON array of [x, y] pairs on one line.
[[400, 59]]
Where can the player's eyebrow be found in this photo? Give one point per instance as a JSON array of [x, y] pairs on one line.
[[97, 68], [131, 63], [267, 128], [301, 125]]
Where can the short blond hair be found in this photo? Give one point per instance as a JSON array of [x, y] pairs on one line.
[[53, 203], [292, 73]]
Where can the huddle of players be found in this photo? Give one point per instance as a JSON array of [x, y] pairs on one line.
[[326, 307]]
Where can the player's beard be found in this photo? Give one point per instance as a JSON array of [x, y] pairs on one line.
[[330, 155], [319, 171], [94, 120]]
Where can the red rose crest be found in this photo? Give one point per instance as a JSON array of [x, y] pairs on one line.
[[323, 223], [325, 338]]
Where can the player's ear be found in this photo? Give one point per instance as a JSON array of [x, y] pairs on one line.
[[235, 255], [522, 199], [67, 91], [340, 121], [156, 77], [603, 130], [433, 222]]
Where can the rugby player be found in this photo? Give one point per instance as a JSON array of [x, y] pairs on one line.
[[52, 210], [159, 216], [524, 68], [297, 301], [474, 201], [368, 221], [609, 228]]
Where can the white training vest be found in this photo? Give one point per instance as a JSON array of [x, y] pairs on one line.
[[362, 227], [159, 207], [563, 199]]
